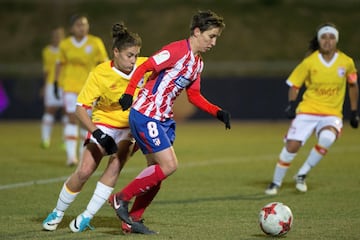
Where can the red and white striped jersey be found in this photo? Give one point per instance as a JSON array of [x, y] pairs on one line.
[[175, 68]]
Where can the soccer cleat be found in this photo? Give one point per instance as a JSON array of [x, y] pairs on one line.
[[121, 208], [80, 223], [72, 162], [136, 227], [300, 183], [272, 189], [52, 221]]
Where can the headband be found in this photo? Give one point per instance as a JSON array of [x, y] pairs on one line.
[[328, 29]]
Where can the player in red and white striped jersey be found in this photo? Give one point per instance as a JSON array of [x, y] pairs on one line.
[[177, 66]]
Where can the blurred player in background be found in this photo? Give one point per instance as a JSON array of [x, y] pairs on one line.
[[79, 54], [52, 103], [177, 66], [109, 132], [326, 73]]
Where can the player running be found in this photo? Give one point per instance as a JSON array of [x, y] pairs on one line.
[[109, 132], [177, 66], [325, 72]]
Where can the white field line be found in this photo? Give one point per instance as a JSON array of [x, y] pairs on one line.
[[185, 165]]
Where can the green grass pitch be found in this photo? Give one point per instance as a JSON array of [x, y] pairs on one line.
[[216, 193]]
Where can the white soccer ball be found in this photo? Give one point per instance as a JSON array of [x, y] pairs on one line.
[[275, 219]]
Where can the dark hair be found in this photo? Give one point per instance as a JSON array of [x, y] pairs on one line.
[[122, 38], [314, 42], [76, 17], [205, 20]]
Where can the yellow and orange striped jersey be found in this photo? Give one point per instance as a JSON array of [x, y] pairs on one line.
[[325, 83], [78, 59], [102, 91]]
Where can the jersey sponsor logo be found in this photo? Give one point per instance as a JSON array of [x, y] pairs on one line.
[[182, 82], [161, 57]]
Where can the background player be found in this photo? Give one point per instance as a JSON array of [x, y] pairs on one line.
[[109, 130], [177, 66], [325, 72], [79, 54], [52, 103]]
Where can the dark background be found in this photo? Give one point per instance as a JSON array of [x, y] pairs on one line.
[[245, 73]]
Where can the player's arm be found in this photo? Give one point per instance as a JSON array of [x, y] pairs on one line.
[[89, 93], [127, 98], [293, 93], [353, 88], [196, 98]]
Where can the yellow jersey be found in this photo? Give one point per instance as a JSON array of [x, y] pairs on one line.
[[50, 55], [102, 91], [325, 83], [78, 59]]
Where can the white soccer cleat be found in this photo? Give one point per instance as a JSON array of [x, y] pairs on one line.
[[272, 189], [80, 224], [52, 221], [300, 183]]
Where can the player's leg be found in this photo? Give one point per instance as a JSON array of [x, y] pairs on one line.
[[160, 156], [73, 185], [326, 137], [71, 130], [104, 186], [51, 104], [300, 130]]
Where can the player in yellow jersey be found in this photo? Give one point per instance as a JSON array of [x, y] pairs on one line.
[[52, 104], [326, 73], [79, 54], [109, 132]]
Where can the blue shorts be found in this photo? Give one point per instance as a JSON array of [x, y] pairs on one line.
[[151, 135]]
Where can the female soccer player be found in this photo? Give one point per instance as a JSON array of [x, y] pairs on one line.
[[79, 54], [52, 104], [325, 72], [177, 66], [109, 132]]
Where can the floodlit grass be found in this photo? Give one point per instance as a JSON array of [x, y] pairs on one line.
[[216, 193]]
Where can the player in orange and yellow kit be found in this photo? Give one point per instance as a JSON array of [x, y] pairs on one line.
[[326, 73], [109, 132], [52, 104], [79, 54]]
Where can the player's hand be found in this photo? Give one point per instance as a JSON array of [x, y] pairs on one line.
[[105, 141], [225, 117], [290, 110], [354, 119], [126, 101], [56, 90]]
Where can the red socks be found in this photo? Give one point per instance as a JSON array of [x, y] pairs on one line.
[[144, 182], [142, 202]]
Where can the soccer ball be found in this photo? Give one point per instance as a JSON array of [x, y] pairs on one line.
[[275, 219]]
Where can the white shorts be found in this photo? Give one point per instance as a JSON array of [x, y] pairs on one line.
[[49, 97], [70, 100], [118, 134], [304, 125]]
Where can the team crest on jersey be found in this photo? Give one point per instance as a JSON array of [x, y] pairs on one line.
[[182, 82], [341, 71], [88, 49], [161, 57]]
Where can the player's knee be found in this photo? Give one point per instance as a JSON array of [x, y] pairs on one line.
[[285, 156], [326, 138]]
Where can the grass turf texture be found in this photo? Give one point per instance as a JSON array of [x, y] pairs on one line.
[[216, 193]]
